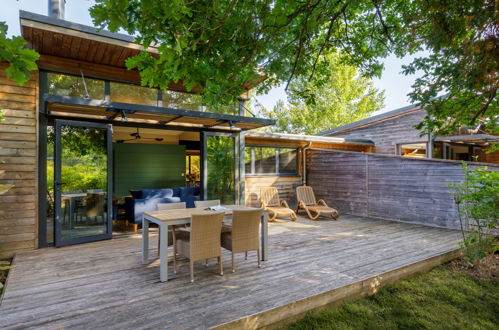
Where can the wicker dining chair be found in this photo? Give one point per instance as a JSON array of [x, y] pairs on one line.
[[169, 206], [205, 204], [269, 199], [307, 201], [243, 234], [201, 242]]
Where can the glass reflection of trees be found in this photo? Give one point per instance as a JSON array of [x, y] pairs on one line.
[[84, 158], [221, 172], [133, 94], [65, 85]]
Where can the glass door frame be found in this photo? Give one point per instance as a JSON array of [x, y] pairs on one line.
[[239, 169], [58, 184]]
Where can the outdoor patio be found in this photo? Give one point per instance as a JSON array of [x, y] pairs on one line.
[[311, 263]]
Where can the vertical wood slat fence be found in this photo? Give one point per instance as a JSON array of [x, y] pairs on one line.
[[388, 187]]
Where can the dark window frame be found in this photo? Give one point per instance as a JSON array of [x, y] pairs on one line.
[[252, 172]]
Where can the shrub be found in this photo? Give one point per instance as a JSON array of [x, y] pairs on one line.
[[477, 199]]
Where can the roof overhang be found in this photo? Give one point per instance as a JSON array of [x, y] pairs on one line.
[[475, 139], [60, 38], [81, 108], [308, 138]]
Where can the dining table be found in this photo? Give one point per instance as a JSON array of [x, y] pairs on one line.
[[165, 219]]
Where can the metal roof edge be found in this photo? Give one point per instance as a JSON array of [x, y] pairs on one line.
[[467, 137], [153, 109], [74, 26], [381, 116], [308, 138]]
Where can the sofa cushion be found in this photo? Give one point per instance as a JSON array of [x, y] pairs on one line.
[[156, 193], [189, 200], [189, 195], [177, 192], [147, 205]]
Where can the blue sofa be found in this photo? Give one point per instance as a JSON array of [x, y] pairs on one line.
[[145, 200]]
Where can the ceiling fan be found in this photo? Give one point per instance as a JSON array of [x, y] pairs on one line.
[[136, 136]]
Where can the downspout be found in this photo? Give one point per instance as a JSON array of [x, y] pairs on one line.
[[304, 178]]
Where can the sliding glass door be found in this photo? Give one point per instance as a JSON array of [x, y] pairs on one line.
[[82, 182], [221, 174]]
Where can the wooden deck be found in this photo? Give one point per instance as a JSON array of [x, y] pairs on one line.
[[311, 263]]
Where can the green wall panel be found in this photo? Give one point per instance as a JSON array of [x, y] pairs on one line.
[[147, 166]]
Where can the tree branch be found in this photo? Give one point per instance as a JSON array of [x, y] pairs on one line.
[[486, 105], [385, 27], [328, 35], [218, 29]]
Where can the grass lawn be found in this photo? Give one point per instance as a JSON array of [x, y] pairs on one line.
[[443, 298]]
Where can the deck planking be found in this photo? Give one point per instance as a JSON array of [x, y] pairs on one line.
[[104, 285]]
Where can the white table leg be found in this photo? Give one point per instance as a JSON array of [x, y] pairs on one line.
[[265, 236], [163, 252], [145, 241]]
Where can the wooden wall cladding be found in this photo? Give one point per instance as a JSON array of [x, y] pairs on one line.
[[388, 187], [285, 184], [18, 165], [387, 133]]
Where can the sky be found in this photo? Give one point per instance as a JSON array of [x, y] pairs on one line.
[[395, 84]]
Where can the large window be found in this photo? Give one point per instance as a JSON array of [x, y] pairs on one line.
[[271, 161], [179, 100], [133, 94], [62, 84], [73, 85]]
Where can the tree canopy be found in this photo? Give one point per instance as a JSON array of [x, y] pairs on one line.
[[462, 37], [327, 100], [220, 45]]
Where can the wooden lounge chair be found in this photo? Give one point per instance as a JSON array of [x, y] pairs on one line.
[[307, 201], [242, 235], [269, 199], [201, 242]]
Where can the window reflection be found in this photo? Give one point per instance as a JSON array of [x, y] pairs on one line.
[[65, 85], [133, 94]]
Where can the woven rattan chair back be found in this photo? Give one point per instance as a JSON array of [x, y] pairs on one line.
[[204, 204], [269, 196], [245, 230], [170, 206], [205, 235], [306, 194]]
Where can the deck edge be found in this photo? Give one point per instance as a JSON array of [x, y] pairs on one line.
[[9, 275], [284, 314]]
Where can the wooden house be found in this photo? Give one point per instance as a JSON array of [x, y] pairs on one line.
[[82, 133], [393, 133]]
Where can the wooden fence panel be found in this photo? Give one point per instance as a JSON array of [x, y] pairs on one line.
[[340, 179], [388, 187]]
